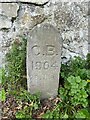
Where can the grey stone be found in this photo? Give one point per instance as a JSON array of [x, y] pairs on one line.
[[43, 1], [0, 58], [89, 48], [71, 18], [89, 29], [8, 0], [5, 22], [40, 2], [9, 9], [43, 60], [35, 1]]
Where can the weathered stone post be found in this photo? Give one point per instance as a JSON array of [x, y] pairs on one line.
[[44, 60]]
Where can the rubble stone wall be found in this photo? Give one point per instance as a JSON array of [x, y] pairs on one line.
[[18, 18]]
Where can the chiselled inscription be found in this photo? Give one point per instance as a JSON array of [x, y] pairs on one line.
[[49, 50], [38, 65], [43, 60], [44, 65], [36, 50]]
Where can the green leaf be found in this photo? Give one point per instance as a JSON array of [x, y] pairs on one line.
[[83, 83], [35, 106], [71, 79], [47, 114], [78, 79], [0, 76], [83, 93], [65, 115], [83, 113], [2, 95], [73, 91], [20, 115]]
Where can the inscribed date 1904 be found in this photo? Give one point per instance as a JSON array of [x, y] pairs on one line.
[[43, 60]]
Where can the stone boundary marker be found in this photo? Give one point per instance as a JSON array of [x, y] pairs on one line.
[[43, 60]]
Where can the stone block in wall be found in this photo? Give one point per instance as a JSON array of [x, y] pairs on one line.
[[43, 1], [5, 22], [9, 9], [71, 19], [8, 0], [40, 2], [35, 1]]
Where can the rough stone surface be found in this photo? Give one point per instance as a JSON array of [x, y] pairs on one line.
[[9, 9], [35, 1], [70, 18], [8, 0], [43, 1], [43, 60], [40, 2], [5, 22]]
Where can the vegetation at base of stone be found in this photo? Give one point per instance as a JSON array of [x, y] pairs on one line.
[[73, 99], [74, 90], [16, 64], [14, 81], [77, 67], [28, 102]]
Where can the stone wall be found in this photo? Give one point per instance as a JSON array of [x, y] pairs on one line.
[[70, 18]]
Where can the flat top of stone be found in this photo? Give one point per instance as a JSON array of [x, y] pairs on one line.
[[45, 29]]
